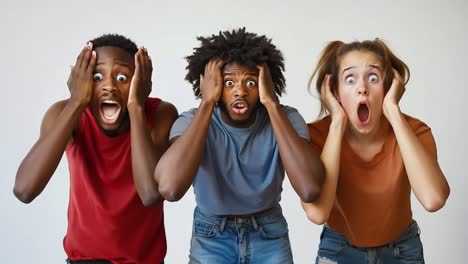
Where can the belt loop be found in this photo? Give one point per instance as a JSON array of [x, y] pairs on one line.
[[223, 224], [254, 222]]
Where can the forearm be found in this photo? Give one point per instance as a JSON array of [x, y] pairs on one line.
[[302, 164], [424, 174], [144, 156], [40, 163], [319, 210], [177, 168]]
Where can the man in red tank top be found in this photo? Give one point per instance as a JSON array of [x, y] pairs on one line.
[[113, 135]]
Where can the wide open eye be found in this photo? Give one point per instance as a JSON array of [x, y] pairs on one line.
[[373, 77], [350, 80], [229, 83], [121, 77], [250, 83], [98, 76]]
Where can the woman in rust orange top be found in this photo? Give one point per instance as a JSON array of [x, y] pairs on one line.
[[374, 156]]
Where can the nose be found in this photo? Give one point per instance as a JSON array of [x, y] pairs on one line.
[[109, 86], [240, 91], [362, 89]]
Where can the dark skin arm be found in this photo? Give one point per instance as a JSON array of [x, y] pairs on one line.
[[57, 127], [177, 168], [303, 166], [148, 145]]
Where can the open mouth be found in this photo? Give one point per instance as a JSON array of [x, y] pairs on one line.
[[240, 107], [363, 112], [110, 111]]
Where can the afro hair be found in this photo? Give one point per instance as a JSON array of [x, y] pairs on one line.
[[240, 47]]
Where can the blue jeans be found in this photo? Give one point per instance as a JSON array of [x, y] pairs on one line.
[[334, 248], [251, 239]]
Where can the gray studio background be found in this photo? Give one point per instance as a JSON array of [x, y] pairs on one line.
[[41, 39]]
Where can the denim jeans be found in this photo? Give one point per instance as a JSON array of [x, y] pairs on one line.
[[334, 248], [244, 240]]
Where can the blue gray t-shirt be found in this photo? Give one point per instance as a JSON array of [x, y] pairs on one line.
[[241, 170]]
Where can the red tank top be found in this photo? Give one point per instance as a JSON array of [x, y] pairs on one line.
[[106, 218]]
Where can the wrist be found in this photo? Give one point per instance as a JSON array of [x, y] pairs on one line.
[[134, 106], [81, 103], [393, 113], [338, 125], [208, 103], [270, 103]]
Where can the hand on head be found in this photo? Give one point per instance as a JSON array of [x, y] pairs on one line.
[[266, 87], [211, 82], [394, 94], [80, 81], [141, 84], [331, 103]]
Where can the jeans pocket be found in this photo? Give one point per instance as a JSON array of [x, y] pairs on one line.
[[330, 247], [274, 230], [204, 229], [410, 249]]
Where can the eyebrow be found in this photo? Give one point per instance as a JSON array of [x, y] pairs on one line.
[[347, 68], [375, 66], [121, 63], [247, 73]]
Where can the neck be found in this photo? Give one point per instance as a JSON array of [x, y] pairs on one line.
[[374, 136]]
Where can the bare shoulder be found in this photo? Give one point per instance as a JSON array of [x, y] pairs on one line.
[[51, 116], [165, 113], [163, 118]]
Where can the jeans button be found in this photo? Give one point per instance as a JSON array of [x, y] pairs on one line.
[[239, 220]]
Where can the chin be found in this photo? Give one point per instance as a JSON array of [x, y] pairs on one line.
[[115, 128]]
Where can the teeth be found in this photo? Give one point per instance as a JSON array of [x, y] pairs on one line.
[[239, 105]]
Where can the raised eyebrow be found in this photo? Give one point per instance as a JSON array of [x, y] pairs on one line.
[[120, 63], [347, 68], [375, 66], [251, 74]]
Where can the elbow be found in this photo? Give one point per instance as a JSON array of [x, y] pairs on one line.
[[436, 202], [310, 195], [151, 200], [22, 194], [433, 206], [171, 194], [318, 218], [171, 190]]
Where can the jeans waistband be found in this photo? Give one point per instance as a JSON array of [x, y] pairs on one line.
[[412, 231], [234, 221]]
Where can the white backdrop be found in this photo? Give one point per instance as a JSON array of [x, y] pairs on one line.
[[40, 39]]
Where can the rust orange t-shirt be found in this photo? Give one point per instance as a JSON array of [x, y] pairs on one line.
[[373, 205]]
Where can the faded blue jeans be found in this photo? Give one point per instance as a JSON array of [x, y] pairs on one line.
[[334, 248], [244, 240]]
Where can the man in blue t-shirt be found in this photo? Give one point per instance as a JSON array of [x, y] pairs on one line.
[[235, 148]]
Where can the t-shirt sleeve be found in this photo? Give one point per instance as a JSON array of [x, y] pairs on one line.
[[297, 121], [424, 133], [181, 123]]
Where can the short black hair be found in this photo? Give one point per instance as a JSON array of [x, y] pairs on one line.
[[115, 40], [236, 46]]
